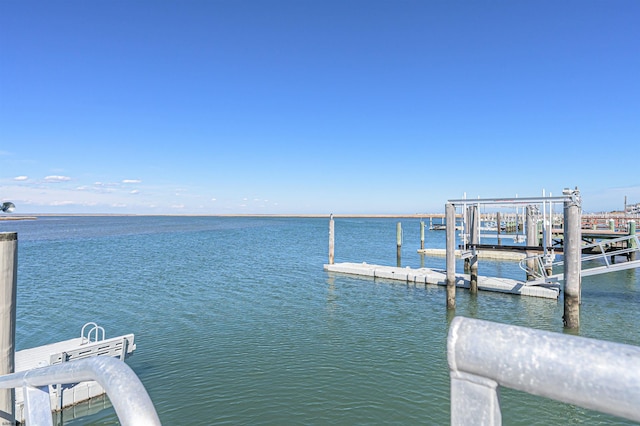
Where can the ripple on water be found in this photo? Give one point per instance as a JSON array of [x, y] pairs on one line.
[[237, 323]]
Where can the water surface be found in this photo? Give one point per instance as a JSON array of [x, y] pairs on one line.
[[237, 323]]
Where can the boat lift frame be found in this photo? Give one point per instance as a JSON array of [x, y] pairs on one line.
[[543, 204]]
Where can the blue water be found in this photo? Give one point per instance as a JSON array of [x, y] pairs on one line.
[[237, 323]]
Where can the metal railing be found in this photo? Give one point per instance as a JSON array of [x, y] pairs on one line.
[[95, 330], [483, 355], [125, 391], [603, 251]]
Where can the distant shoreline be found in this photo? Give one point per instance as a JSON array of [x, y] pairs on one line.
[[335, 215], [35, 216]]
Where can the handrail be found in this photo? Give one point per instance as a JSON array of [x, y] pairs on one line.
[[124, 389], [95, 329], [482, 355]]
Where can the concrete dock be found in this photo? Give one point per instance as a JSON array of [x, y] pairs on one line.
[[482, 254], [424, 276]]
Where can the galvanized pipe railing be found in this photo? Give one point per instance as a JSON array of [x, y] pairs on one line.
[[124, 389], [483, 355], [630, 243]]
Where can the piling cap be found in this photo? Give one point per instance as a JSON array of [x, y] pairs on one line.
[[8, 236]]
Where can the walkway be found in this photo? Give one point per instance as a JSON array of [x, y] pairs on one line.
[[438, 277]]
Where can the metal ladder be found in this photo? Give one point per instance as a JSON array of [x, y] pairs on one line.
[[94, 331]]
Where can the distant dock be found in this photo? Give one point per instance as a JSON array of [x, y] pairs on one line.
[[482, 254], [428, 276]]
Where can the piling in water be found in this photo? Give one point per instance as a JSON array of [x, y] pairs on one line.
[[572, 261], [450, 218], [8, 288], [632, 243], [399, 244], [532, 240], [331, 240], [474, 232]]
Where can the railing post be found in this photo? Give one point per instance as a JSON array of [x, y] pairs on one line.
[[450, 219], [8, 288], [37, 406], [475, 400]]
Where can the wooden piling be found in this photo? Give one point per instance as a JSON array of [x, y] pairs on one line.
[[474, 233], [572, 261], [8, 289], [399, 244], [632, 243], [331, 240], [498, 227], [532, 240], [421, 235], [450, 218]]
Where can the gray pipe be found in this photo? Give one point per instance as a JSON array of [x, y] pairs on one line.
[[125, 391], [593, 374]]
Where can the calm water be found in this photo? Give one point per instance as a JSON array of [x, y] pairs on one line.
[[237, 323]]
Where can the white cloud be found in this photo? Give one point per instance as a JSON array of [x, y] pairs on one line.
[[213, 199], [131, 181], [135, 191], [21, 178], [111, 184], [177, 206], [57, 178]]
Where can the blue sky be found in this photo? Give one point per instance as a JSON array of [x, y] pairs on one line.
[[222, 107]]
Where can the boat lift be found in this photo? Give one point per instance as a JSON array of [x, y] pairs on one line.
[[600, 262], [540, 267], [543, 211]]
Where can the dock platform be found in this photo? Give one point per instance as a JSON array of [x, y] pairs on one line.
[[87, 345], [482, 254], [424, 276]]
